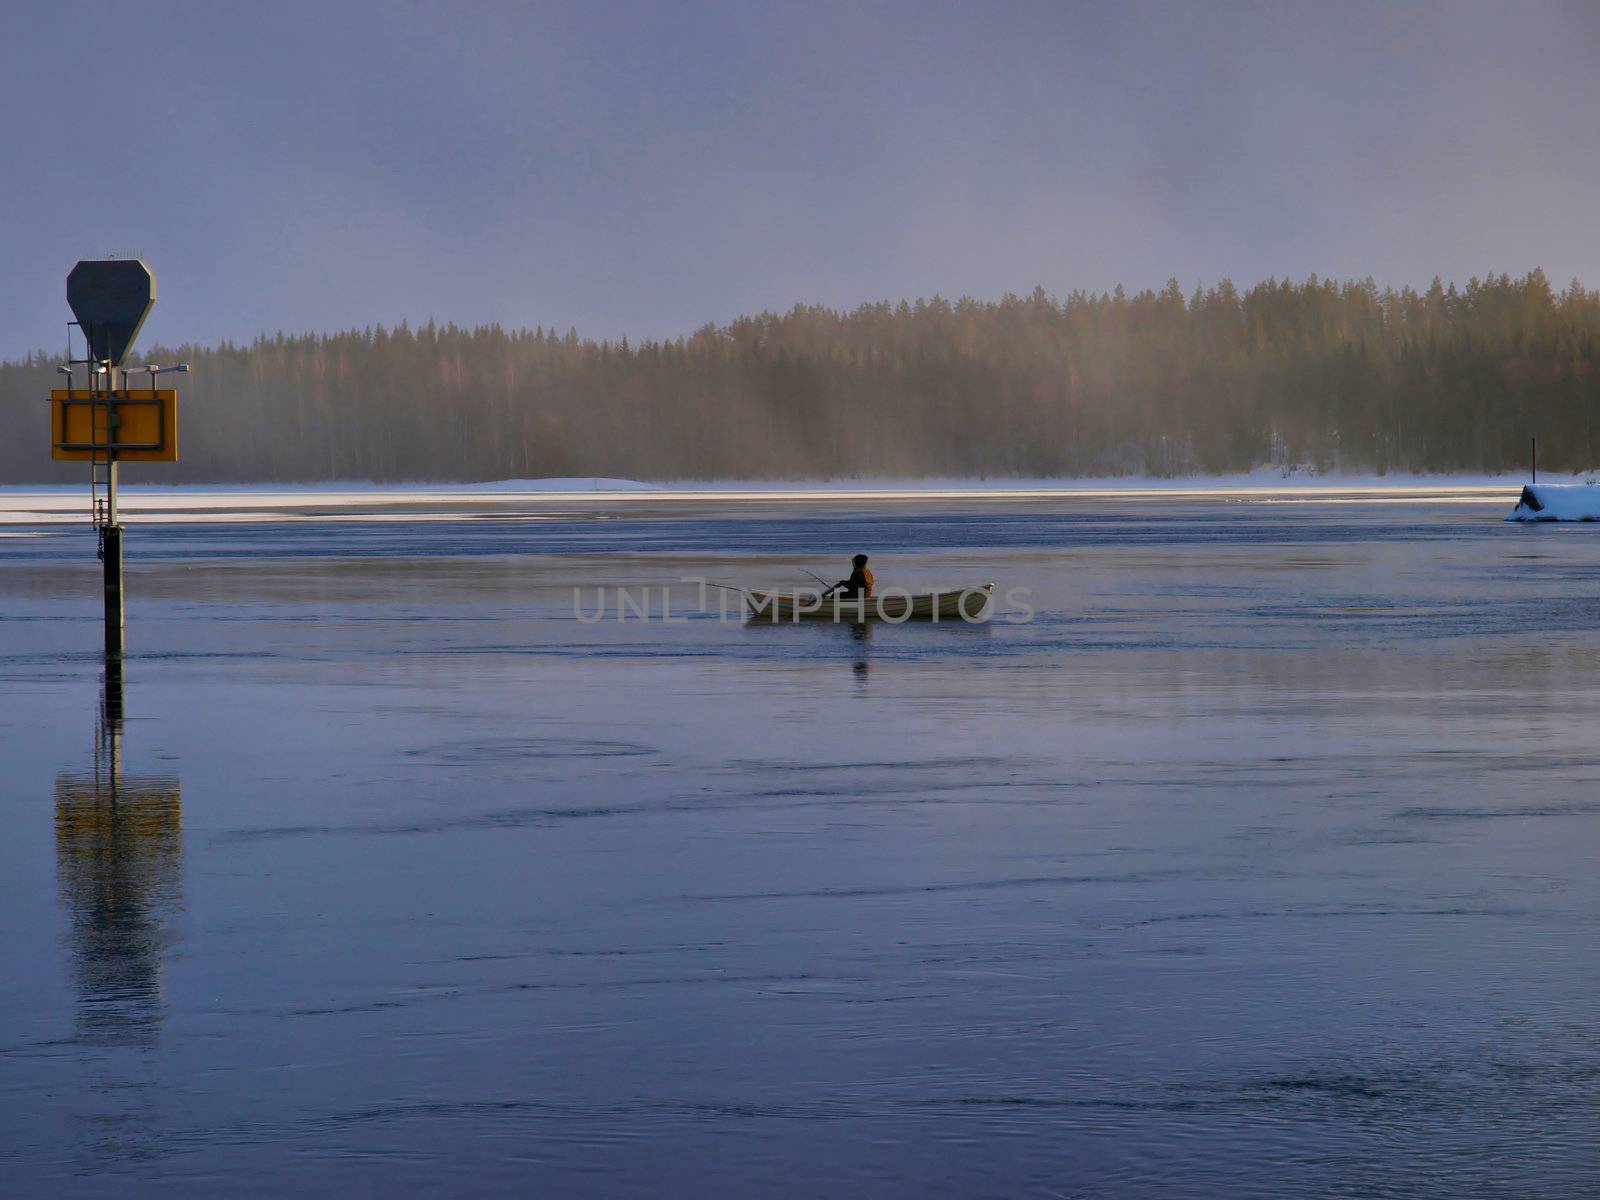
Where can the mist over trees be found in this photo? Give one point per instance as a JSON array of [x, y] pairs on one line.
[[1343, 376]]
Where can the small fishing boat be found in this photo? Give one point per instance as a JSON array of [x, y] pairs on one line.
[[957, 604]]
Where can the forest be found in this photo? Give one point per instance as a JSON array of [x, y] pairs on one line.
[[1340, 376]]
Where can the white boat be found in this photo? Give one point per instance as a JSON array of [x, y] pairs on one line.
[[956, 604], [1543, 502]]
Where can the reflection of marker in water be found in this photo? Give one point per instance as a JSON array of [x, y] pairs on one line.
[[118, 868], [118, 865]]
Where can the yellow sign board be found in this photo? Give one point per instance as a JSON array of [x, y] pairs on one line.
[[139, 425]]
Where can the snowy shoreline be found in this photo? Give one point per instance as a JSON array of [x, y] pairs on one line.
[[1266, 479], [66, 504]]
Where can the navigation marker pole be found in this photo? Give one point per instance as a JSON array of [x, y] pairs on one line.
[[102, 425]]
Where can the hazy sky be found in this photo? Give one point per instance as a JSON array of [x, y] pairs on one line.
[[645, 168]]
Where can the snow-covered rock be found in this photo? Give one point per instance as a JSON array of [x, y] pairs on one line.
[[1544, 502]]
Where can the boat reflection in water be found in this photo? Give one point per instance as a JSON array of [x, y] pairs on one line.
[[119, 854], [861, 633]]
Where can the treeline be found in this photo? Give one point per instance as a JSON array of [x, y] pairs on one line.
[[1344, 376]]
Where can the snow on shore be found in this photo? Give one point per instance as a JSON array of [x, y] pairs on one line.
[[542, 498], [1550, 502]]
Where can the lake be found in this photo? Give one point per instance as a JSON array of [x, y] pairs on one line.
[[1259, 860]]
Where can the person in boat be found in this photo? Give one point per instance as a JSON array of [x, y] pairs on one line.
[[858, 586]]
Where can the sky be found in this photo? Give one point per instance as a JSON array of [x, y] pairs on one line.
[[646, 168]]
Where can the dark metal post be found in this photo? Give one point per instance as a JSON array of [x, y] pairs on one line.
[[1533, 446], [112, 544], [113, 580]]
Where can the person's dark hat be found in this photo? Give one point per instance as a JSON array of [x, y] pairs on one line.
[[859, 560]]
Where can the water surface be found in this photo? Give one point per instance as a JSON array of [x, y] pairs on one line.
[[1259, 862]]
